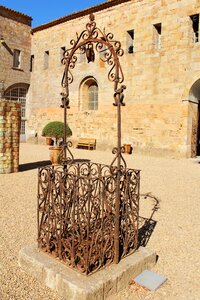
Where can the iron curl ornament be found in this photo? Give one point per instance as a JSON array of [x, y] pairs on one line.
[[94, 38], [88, 213]]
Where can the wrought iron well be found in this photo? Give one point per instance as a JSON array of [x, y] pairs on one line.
[[88, 212]]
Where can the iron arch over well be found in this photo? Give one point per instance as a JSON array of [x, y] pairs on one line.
[[93, 219]]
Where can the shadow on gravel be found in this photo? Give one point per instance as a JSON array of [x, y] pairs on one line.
[[147, 225], [34, 165], [43, 163]]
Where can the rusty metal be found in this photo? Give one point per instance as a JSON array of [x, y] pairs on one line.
[[88, 213], [76, 213]]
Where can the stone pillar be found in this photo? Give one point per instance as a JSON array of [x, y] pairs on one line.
[[10, 120]]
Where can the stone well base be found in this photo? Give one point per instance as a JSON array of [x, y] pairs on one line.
[[74, 286]]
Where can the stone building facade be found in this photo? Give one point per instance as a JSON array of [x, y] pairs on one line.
[[161, 65], [15, 51]]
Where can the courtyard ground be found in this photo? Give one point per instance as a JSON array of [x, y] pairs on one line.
[[170, 193]]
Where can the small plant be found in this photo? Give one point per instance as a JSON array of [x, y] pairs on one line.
[[55, 130]]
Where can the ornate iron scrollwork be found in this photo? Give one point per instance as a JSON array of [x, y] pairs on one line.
[[105, 44], [87, 212], [76, 214], [110, 50]]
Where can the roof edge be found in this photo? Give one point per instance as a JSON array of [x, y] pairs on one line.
[[80, 13], [15, 15]]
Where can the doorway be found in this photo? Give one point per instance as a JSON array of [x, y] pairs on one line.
[[19, 93], [194, 97], [198, 131]]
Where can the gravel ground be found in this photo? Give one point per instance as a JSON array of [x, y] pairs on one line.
[[170, 191]]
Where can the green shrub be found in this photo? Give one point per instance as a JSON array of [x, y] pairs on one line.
[[55, 130]]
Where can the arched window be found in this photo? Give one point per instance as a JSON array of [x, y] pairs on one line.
[[89, 94], [93, 97], [18, 93]]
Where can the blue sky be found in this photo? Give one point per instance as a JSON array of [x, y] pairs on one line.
[[43, 11]]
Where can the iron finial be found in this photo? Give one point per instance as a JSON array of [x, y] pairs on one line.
[[91, 17]]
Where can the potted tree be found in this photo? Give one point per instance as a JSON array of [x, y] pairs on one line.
[[55, 130]]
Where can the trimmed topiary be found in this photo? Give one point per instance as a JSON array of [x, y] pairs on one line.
[[55, 130]]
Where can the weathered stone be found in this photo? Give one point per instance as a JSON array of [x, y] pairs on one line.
[[74, 286], [9, 144], [156, 78], [16, 33], [159, 80]]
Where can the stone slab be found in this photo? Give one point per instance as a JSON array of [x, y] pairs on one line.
[[74, 286], [150, 280]]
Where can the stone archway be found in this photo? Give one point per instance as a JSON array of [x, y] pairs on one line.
[[194, 98], [198, 132], [18, 92]]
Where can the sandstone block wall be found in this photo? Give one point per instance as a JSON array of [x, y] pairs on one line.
[[158, 117], [10, 118], [15, 28]]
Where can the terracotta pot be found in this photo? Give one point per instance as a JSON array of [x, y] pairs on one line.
[[56, 155], [49, 141], [128, 148]]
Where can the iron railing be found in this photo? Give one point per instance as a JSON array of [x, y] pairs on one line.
[[76, 213]]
